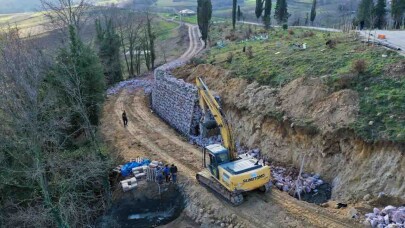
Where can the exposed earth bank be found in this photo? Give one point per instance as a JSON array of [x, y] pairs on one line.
[[305, 118]]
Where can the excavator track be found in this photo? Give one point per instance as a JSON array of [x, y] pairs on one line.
[[204, 178]]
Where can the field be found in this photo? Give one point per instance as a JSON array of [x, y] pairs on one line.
[[32, 23], [278, 60]]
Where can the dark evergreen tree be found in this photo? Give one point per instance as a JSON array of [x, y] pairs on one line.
[[109, 50], [259, 8], [365, 13], [79, 75], [313, 12], [239, 13], [204, 13], [150, 40], [267, 12], [397, 13], [234, 4], [306, 19], [380, 13], [281, 12]]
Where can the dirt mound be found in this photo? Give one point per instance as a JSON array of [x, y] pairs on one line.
[[303, 100]]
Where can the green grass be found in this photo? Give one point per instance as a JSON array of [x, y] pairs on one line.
[[276, 62], [180, 4], [164, 29]]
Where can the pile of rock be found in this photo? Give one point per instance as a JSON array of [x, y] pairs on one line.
[[286, 181], [195, 123], [131, 84], [174, 101], [169, 66], [202, 142], [390, 216]]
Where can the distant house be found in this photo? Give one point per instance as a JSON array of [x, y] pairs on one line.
[[187, 12]]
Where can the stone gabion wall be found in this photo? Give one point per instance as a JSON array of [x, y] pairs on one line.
[[174, 100]]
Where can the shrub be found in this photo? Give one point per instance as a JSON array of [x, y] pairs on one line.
[[285, 26], [229, 58], [359, 66], [345, 81], [331, 43], [291, 32], [249, 52], [197, 61], [231, 36], [308, 34]]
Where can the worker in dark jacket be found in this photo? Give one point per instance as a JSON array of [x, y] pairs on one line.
[[173, 173], [166, 173], [124, 118]]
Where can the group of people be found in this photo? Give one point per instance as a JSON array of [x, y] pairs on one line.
[[169, 174]]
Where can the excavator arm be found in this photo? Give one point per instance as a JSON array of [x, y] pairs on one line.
[[208, 102]]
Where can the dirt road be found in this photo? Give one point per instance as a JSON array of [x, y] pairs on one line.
[[147, 135]]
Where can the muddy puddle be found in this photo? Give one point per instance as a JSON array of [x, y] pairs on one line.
[[144, 207], [321, 194]]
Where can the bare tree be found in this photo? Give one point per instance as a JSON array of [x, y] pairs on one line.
[[59, 189], [27, 110], [130, 31], [64, 13]]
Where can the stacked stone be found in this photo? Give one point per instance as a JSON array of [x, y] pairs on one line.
[[195, 123], [390, 216], [174, 101], [131, 84]]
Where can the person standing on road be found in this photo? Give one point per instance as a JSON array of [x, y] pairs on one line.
[[166, 173], [124, 118], [173, 173], [159, 175]]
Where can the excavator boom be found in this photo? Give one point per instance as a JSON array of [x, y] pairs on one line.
[[207, 101]]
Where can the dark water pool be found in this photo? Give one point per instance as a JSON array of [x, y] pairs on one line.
[[322, 194], [145, 208]]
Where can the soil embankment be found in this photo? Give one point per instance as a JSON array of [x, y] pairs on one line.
[[305, 118]]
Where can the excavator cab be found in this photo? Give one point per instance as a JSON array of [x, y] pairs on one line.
[[217, 155]]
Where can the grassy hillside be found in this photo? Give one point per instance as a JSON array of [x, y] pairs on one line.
[[349, 64], [328, 13]]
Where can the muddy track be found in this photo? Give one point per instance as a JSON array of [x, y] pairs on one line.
[[148, 135], [196, 45]]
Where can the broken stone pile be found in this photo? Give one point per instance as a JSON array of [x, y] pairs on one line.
[[169, 66], [390, 216], [131, 85], [174, 101], [202, 142], [286, 181], [195, 123]]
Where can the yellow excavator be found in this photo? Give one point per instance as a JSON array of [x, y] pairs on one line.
[[227, 173]]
